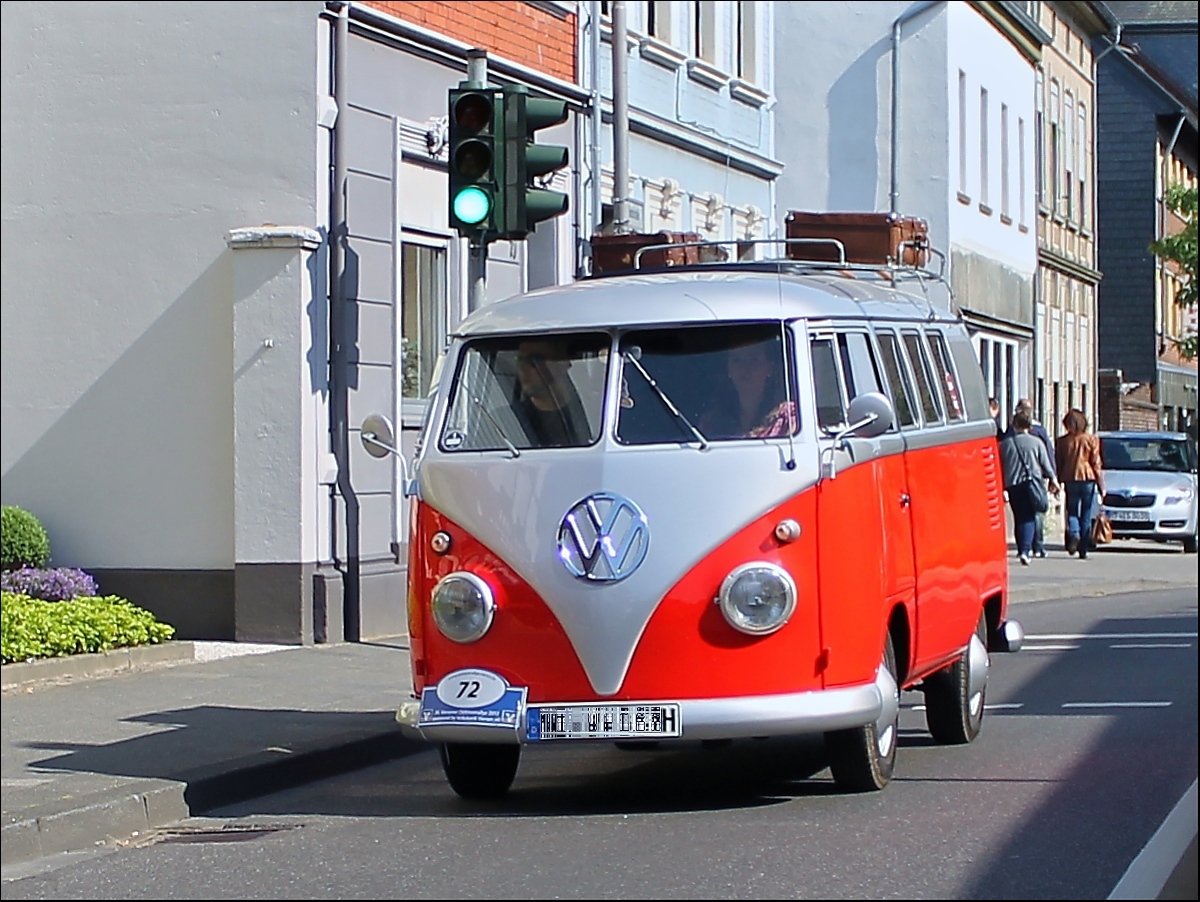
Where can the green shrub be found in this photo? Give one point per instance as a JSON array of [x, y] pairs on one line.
[[31, 628], [23, 539]]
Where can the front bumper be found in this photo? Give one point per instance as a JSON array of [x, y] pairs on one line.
[[709, 718]]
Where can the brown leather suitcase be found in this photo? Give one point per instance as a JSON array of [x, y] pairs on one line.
[[880, 239], [614, 253]]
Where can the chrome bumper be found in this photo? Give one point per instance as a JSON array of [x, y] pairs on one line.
[[712, 718]]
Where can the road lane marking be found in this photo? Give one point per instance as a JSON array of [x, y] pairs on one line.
[[1049, 647], [1004, 706], [1152, 645], [1117, 704], [1148, 873], [1070, 637]]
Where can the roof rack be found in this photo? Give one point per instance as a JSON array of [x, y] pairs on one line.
[[891, 271]]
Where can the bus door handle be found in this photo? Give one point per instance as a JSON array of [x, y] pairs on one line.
[[905, 499]]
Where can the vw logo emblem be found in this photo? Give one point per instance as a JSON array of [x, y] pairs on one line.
[[603, 538]]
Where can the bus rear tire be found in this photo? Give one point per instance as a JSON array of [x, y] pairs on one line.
[[953, 713], [480, 771], [863, 759]]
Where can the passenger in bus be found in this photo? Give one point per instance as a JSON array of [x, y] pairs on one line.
[[753, 401], [548, 407], [1026, 465]]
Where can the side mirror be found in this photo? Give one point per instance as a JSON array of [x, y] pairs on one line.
[[871, 415], [379, 441]]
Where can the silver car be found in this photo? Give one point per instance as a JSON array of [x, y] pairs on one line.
[[1150, 485]]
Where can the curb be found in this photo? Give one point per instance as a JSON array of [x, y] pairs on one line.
[[26, 674], [91, 822], [1054, 591]]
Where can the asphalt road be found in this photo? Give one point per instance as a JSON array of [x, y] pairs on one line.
[[1089, 743]]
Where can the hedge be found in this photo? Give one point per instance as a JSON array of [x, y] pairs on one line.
[[31, 628]]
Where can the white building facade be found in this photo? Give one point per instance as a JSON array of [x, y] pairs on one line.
[[701, 137], [926, 110]]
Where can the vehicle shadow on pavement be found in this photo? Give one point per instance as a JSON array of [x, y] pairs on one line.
[[1136, 717], [225, 753]]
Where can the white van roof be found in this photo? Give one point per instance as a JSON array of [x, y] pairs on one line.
[[703, 295]]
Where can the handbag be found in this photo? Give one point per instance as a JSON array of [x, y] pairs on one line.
[[1035, 489], [1102, 531]]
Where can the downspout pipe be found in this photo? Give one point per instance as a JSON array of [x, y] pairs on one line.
[[339, 338], [596, 120], [897, 28], [1114, 44]]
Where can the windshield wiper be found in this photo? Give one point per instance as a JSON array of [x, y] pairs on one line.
[[632, 354], [499, 429]]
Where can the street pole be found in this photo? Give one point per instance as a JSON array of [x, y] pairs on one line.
[[620, 83]]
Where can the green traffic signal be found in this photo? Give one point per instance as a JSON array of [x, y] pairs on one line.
[[476, 160], [472, 205]]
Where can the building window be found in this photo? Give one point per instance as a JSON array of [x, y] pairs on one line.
[[747, 40], [1039, 136], [1081, 173], [1021, 170], [658, 20], [983, 147], [962, 132], [424, 306], [1005, 209], [704, 32], [1054, 152], [1068, 130]]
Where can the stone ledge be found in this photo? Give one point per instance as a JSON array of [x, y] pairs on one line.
[[269, 236], [28, 674]]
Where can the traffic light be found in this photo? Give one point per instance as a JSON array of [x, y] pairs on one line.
[[476, 162], [525, 204]]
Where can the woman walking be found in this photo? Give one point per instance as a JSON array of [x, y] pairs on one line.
[[1026, 465], [1082, 473]]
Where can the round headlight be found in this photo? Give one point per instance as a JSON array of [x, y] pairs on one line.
[[758, 598], [463, 607]]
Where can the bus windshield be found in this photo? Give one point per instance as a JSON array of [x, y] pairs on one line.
[[725, 382], [528, 392]]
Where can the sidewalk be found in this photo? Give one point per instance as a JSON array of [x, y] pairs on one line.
[[186, 727]]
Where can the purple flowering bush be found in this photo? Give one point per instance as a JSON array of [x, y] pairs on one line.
[[59, 584]]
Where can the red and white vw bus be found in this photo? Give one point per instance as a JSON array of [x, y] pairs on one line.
[[618, 534]]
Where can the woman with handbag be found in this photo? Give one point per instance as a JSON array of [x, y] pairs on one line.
[[1082, 473], [1026, 465]]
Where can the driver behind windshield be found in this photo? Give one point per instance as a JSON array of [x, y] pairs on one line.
[[548, 406]]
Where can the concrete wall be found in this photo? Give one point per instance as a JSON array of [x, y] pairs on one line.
[[833, 117], [136, 136], [701, 144], [978, 225]]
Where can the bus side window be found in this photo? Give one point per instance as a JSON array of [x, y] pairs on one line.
[[901, 391], [919, 360], [827, 384], [951, 395], [858, 364]]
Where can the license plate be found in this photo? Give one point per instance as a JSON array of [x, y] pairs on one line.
[[651, 721], [1127, 515]]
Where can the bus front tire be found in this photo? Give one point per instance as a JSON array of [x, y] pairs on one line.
[[953, 713], [863, 759], [480, 771]]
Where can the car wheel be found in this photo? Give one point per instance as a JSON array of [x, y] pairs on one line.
[[863, 759], [1189, 545], [480, 771], [954, 696]]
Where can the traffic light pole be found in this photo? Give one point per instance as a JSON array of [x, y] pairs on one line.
[[477, 250]]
